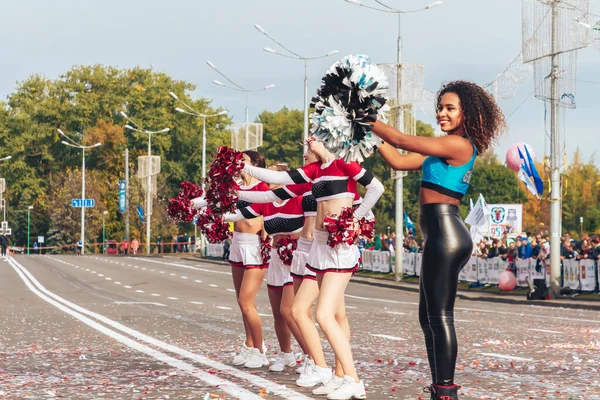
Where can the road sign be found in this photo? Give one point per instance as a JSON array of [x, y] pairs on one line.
[[122, 188], [88, 203], [40, 239]]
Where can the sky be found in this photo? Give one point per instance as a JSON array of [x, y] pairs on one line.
[[462, 39]]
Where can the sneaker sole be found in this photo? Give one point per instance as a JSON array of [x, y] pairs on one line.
[[308, 384]]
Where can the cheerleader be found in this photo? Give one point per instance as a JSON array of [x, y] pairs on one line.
[[248, 269], [282, 219], [471, 120], [334, 183]]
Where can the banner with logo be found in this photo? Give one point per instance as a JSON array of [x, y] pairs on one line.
[[587, 274], [571, 274], [505, 218], [522, 271]]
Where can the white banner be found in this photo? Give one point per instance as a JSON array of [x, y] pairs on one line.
[[505, 218], [471, 270], [482, 270], [522, 271], [418, 261], [571, 274], [381, 261], [587, 275], [495, 266], [214, 250], [367, 260], [409, 263]]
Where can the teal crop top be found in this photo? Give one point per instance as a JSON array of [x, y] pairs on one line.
[[447, 179]]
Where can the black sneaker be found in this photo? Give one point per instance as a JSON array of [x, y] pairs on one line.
[[442, 392]]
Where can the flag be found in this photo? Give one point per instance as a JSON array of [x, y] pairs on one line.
[[528, 174], [140, 212], [408, 223], [479, 213]]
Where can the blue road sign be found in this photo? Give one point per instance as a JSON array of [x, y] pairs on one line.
[[88, 203], [122, 187]]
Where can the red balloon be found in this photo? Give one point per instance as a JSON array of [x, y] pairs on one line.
[[507, 281]]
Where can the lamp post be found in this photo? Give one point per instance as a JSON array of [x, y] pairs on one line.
[[296, 56], [104, 213], [3, 201], [149, 182], [28, 226], [238, 88], [399, 217], [72, 143], [191, 111]]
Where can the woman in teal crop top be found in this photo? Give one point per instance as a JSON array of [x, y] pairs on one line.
[[471, 120]]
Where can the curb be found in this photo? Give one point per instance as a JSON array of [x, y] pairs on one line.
[[541, 303], [580, 305]]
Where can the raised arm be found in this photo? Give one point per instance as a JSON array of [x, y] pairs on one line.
[[250, 212], [447, 146], [300, 175], [400, 162], [374, 187], [269, 196]]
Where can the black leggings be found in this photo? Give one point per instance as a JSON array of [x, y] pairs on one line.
[[447, 249]]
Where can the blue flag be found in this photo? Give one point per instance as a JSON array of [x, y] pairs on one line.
[[529, 175], [408, 223], [140, 211]]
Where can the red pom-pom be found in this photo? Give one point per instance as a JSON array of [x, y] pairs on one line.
[[367, 228], [286, 248], [265, 249], [212, 226], [179, 208], [221, 194], [343, 228]]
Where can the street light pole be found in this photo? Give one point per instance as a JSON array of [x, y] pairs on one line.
[[72, 143], [296, 56], [103, 233], [238, 88], [140, 129], [28, 226], [83, 204], [399, 214]]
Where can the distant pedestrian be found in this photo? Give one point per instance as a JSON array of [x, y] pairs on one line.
[[3, 244], [125, 246], [135, 245]]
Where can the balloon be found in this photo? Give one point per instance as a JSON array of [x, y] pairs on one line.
[[507, 281], [513, 161]]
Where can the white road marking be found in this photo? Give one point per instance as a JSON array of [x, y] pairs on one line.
[[231, 290], [197, 281], [155, 295], [544, 330], [184, 277], [275, 388], [223, 308], [198, 302], [127, 287], [140, 302], [139, 291], [108, 279], [505, 357], [212, 285], [226, 386], [386, 336], [184, 266], [117, 283], [172, 298], [395, 312]]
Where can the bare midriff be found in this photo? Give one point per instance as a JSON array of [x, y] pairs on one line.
[[254, 225], [429, 196], [330, 207], [308, 230]]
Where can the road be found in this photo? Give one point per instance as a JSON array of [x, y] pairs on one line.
[[106, 327]]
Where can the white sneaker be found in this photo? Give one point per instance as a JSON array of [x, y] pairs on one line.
[[242, 357], [307, 363], [283, 360], [349, 390], [333, 384], [256, 359], [318, 375]]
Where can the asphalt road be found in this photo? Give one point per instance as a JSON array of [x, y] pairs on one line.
[[99, 327]]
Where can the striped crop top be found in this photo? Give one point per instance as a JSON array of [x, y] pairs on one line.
[[286, 218], [332, 180]]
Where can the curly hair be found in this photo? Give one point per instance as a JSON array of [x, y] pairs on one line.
[[483, 119]]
